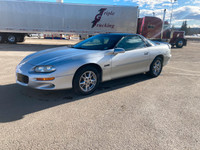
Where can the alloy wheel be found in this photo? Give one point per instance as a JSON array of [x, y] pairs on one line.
[[87, 81], [157, 67]]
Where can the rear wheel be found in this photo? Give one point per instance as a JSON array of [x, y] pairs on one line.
[[156, 67], [11, 38], [86, 80], [180, 43], [21, 39], [2, 38]]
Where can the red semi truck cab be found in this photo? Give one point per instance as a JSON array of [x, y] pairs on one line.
[[151, 28]]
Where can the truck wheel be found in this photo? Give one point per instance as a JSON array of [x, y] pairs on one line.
[[179, 43], [11, 38]]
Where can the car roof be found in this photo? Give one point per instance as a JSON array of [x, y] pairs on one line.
[[122, 34]]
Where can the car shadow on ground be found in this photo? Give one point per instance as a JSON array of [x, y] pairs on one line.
[[174, 47], [17, 101]]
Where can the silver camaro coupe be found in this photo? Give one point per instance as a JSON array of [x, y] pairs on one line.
[[100, 58]]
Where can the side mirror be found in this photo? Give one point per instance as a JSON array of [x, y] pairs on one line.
[[119, 50]]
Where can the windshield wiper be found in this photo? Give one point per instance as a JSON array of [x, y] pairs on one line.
[[78, 47]]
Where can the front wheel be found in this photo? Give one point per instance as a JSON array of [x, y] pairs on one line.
[[156, 67], [180, 43], [86, 80]]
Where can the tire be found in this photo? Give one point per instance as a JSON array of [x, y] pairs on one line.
[[21, 39], [83, 84], [11, 38], [179, 43], [156, 67], [2, 38]]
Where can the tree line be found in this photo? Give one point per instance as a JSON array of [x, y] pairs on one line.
[[188, 30]]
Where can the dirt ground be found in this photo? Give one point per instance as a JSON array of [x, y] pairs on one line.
[[136, 112]]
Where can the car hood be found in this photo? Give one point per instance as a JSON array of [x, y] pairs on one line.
[[51, 56]]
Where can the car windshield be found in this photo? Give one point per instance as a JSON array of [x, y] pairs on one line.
[[99, 42]]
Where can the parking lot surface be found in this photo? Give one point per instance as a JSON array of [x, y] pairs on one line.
[[135, 112]]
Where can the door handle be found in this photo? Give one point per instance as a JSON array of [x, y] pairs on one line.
[[146, 53]]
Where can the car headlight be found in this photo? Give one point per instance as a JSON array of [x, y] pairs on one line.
[[45, 69]]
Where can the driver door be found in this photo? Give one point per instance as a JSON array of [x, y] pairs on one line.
[[135, 59]]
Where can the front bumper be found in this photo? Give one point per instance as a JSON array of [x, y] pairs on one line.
[[60, 82], [64, 82], [166, 59]]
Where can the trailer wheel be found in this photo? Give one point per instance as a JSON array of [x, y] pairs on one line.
[[180, 43], [21, 39], [11, 38], [2, 38]]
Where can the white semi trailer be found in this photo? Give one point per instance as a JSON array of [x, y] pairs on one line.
[[19, 18]]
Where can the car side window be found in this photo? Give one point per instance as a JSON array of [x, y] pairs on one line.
[[131, 43]]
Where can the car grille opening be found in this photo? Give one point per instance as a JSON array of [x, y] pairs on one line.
[[22, 78]]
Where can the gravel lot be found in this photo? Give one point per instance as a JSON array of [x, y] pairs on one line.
[[136, 112]]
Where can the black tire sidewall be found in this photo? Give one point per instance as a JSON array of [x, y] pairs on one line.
[[2, 38], [21, 39], [151, 67], [77, 76]]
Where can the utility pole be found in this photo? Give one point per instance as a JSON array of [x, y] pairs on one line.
[[163, 24], [59, 1], [172, 7]]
